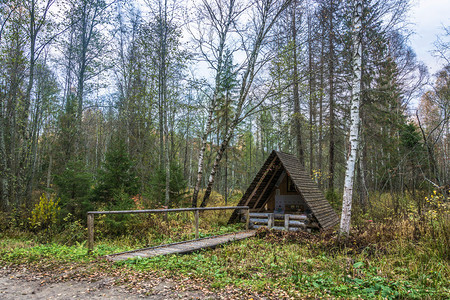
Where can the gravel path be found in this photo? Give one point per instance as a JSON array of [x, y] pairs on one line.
[[23, 285]]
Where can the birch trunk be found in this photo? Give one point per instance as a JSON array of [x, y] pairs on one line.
[[212, 175], [355, 120], [49, 170], [201, 156], [223, 30], [247, 81]]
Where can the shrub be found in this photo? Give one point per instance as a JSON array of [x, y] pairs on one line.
[[5, 221], [334, 198], [44, 213], [73, 231]]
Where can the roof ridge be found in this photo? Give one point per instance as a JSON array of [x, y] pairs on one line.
[[302, 182]]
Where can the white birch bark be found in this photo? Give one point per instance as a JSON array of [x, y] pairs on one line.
[[267, 18], [355, 120], [229, 16]]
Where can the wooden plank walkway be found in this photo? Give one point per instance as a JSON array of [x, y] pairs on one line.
[[183, 247]]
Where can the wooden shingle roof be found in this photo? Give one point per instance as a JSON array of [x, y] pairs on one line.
[[265, 180]]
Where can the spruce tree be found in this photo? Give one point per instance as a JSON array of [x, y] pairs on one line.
[[117, 175]]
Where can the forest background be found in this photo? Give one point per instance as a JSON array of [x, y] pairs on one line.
[[114, 105], [124, 104]]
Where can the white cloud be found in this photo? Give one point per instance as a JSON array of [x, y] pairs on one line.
[[428, 17]]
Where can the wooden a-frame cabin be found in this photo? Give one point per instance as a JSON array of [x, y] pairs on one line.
[[283, 192]]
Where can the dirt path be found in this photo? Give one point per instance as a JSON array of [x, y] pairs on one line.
[[25, 285]]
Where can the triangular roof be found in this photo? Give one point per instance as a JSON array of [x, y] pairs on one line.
[[265, 180]]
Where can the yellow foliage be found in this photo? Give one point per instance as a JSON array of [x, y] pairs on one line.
[[44, 212], [319, 176], [436, 205]]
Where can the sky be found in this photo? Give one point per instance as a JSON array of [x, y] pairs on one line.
[[428, 17]]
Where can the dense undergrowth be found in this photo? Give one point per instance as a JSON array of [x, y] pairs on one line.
[[391, 256]]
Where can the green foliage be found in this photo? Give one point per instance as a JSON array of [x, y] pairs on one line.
[[16, 219], [18, 251], [72, 232], [117, 174], [390, 258], [44, 213], [67, 130], [409, 136], [177, 185], [75, 187], [116, 225], [334, 198], [300, 272]]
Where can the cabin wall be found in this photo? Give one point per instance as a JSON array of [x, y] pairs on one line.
[[283, 188]]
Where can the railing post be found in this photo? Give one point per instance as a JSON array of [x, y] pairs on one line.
[[270, 220], [286, 222], [247, 218], [90, 224], [196, 223]]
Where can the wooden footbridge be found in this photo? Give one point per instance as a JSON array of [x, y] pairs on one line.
[[175, 248], [183, 247]]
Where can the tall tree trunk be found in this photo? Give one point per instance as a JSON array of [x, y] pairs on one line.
[[217, 160], [201, 157], [87, 22], [217, 85], [34, 147], [49, 169], [161, 128], [355, 120], [295, 85], [246, 83], [5, 173], [322, 59], [311, 97], [227, 103], [186, 149], [81, 75], [164, 99], [331, 97], [167, 162], [11, 121], [29, 151]]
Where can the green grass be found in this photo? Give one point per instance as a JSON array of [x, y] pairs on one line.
[[25, 247], [401, 257], [298, 269], [20, 251]]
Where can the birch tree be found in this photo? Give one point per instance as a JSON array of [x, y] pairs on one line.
[[355, 119], [266, 14], [220, 17]]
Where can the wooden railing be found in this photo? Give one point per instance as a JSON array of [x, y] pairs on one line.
[[91, 214], [291, 222]]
